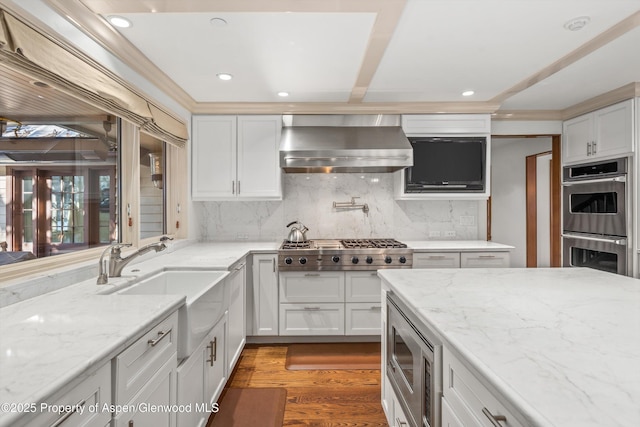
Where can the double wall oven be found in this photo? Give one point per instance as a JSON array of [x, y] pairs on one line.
[[597, 216]]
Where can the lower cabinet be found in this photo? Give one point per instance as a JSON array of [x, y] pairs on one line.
[[264, 304], [236, 326], [329, 303], [145, 376], [466, 259], [201, 378], [469, 402], [94, 391], [449, 419]]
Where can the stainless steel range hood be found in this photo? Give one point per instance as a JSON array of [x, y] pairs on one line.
[[344, 143]]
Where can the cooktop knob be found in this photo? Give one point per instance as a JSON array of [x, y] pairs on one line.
[[403, 260], [355, 260], [302, 260], [335, 258], [387, 259], [288, 260], [369, 260]]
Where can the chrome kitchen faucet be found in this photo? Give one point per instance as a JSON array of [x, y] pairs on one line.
[[117, 263]]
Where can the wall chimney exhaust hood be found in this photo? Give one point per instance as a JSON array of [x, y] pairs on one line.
[[344, 143]]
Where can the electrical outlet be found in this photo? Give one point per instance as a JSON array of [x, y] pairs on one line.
[[450, 233], [434, 233], [467, 220]]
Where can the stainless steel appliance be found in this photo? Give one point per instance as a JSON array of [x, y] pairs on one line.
[[414, 360], [298, 233], [344, 254], [596, 217], [344, 143]]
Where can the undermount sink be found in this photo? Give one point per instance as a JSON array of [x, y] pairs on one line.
[[205, 301]]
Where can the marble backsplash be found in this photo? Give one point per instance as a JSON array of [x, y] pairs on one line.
[[309, 199]]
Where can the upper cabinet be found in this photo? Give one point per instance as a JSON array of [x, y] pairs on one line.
[[602, 134], [437, 124], [236, 157]]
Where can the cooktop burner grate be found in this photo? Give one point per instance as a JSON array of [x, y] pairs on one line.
[[296, 245], [372, 243]]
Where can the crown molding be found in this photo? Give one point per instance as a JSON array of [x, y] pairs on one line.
[[623, 93]]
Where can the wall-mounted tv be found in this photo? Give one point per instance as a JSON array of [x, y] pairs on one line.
[[447, 164]]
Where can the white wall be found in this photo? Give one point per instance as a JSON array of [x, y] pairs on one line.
[[309, 198], [508, 196]]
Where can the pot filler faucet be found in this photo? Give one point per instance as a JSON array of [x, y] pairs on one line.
[[117, 263]]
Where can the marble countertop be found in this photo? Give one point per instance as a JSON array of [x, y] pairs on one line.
[[561, 345], [457, 245], [51, 342]]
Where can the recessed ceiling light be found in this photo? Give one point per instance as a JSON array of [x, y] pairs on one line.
[[224, 76], [119, 21], [576, 24], [218, 22], [283, 94], [468, 93]]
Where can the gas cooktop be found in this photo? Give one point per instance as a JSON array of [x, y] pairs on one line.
[[344, 254]]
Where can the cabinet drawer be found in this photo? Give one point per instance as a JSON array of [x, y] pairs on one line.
[[485, 260], [312, 319], [469, 399], [362, 286], [436, 260], [312, 287], [142, 359], [93, 391], [363, 318]]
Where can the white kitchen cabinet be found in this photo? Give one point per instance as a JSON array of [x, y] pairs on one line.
[[93, 391], [236, 326], [201, 378], [462, 259], [362, 307], [436, 260], [236, 157], [449, 419], [434, 124], [469, 399], [145, 374], [158, 392], [603, 134], [312, 319], [265, 294], [301, 287], [136, 365], [485, 259]]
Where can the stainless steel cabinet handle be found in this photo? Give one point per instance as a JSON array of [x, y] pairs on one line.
[[66, 415], [588, 148], [238, 187], [486, 256], [161, 335], [273, 263], [593, 148], [312, 275], [436, 257], [376, 307], [213, 351], [233, 187], [400, 423], [312, 308], [495, 419], [131, 423]]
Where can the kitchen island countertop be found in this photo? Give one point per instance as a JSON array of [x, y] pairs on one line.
[[562, 346]]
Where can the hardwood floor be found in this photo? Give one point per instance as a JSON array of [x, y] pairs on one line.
[[320, 398]]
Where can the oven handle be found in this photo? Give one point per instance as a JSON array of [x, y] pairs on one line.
[[593, 238], [621, 178]]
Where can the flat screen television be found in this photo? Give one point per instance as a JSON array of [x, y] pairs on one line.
[[447, 164]]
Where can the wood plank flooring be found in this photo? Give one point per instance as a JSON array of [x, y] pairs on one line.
[[319, 398]]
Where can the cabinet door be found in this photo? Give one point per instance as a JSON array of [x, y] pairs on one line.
[[259, 170], [236, 326], [613, 131], [449, 419], [577, 135], [190, 386], [484, 260], [312, 319], [326, 286], [213, 159], [160, 390], [265, 295], [362, 286], [363, 318], [215, 373], [436, 260]]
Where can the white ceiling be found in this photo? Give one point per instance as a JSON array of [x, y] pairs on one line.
[[373, 54]]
